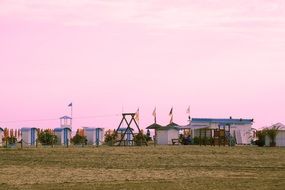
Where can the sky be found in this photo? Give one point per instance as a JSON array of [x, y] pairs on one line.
[[222, 57]]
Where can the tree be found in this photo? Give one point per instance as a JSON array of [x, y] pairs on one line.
[[46, 137], [111, 137], [79, 139], [272, 133], [261, 137]]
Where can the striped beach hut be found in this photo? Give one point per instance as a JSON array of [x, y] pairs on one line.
[[1, 136], [29, 136], [63, 135], [95, 136]]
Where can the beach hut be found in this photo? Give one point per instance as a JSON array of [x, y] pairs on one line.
[[280, 137], [63, 135], [1, 136], [128, 138], [165, 135], [95, 136], [29, 136]]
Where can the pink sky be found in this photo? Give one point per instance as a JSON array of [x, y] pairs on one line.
[[222, 57]]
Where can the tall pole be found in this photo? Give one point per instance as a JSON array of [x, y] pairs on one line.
[[71, 109]]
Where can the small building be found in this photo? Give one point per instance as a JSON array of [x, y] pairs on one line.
[[29, 136], [280, 137], [165, 134], [66, 122], [1, 136], [240, 129], [128, 138], [94, 136], [63, 135]]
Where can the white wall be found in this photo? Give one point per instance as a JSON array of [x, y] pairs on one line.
[[166, 136]]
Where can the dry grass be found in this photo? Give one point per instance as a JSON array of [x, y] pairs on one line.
[[161, 167]]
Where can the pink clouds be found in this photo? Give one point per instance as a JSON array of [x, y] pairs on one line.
[[221, 57]]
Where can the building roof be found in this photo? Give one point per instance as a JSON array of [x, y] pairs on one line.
[[229, 121], [61, 129], [65, 117], [170, 126], [93, 129], [27, 128], [123, 129], [154, 126]]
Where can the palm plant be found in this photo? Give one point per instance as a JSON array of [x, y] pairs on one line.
[[272, 133]]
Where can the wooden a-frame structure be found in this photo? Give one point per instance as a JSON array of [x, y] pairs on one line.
[[124, 119]]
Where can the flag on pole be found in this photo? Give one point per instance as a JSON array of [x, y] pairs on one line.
[[137, 115], [171, 115], [69, 105], [154, 114], [188, 110]]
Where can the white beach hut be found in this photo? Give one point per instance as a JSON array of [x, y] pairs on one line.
[[165, 134], [95, 136], [63, 135], [1, 136], [29, 136]]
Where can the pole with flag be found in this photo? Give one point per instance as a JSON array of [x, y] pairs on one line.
[[71, 110], [188, 112], [137, 116], [154, 114], [171, 115]]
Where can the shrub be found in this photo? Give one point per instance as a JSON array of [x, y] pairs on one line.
[[140, 138], [47, 138], [11, 140], [111, 137], [272, 133], [79, 139], [261, 137]]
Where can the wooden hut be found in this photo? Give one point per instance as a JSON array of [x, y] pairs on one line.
[[95, 136], [29, 136], [63, 135]]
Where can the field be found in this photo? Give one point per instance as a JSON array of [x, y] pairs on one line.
[[161, 167]]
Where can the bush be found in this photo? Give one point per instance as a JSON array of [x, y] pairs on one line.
[[11, 140], [140, 138], [272, 133], [110, 138], [261, 137], [79, 139], [47, 138]]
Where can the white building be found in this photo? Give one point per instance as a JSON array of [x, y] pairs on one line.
[[95, 136], [165, 134], [1, 136], [63, 135], [280, 138], [240, 129], [29, 136]]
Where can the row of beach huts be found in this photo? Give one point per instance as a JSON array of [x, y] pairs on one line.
[[239, 129]]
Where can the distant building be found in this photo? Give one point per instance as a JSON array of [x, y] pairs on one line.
[[280, 138], [240, 129], [29, 136], [63, 135], [95, 136], [165, 134], [128, 138], [66, 122], [1, 136]]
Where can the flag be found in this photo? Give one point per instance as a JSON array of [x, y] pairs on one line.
[[137, 115], [171, 115], [188, 110], [154, 114], [69, 105]]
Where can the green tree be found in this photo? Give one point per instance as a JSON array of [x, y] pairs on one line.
[[272, 133], [47, 138], [79, 139]]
